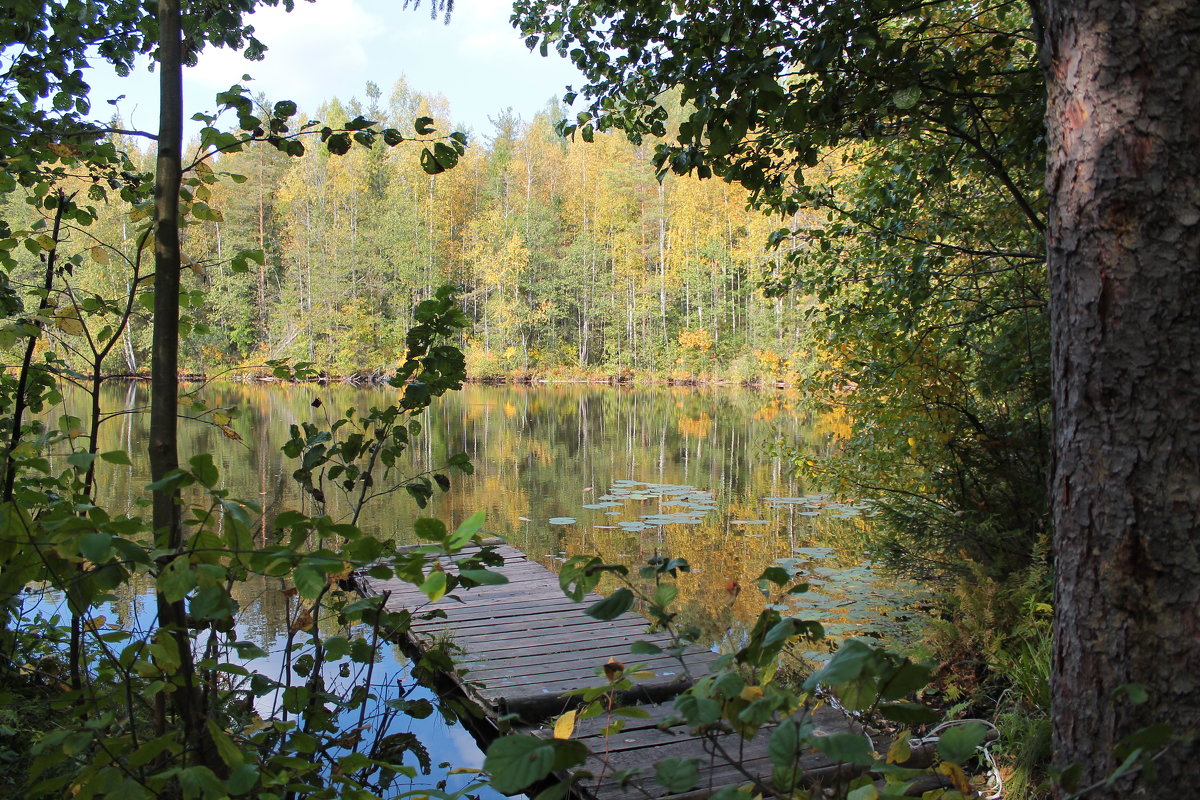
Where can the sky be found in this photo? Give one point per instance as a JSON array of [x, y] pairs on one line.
[[331, 48]]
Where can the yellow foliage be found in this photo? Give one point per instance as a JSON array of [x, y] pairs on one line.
[[698, 339]]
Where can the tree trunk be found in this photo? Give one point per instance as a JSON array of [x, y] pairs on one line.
[[1123, 175], [164, 372]]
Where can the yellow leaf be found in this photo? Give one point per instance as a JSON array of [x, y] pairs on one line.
[[956, 775], [221, 418], [751, 693], [67, 320], [99, 254], [334, 577], [63, 150], [192, 265], [565, 725], [45, 241], [141, 212], [900, 750]]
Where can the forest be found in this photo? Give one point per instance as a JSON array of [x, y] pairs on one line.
[[572, 260], [962, 236]]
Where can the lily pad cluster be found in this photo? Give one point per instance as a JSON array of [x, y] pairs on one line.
[[853, 600], [817, 504], [678, 504]]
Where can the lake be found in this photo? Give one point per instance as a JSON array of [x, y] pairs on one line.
[[564, 469]]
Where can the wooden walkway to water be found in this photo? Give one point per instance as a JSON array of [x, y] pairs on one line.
[[524, 644]]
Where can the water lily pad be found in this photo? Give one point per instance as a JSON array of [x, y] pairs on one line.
[[814, 552], [562, 520]]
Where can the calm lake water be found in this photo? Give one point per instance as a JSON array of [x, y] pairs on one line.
[[626, 473]]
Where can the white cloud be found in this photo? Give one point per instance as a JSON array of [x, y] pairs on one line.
[[331, 48], [314, 53]]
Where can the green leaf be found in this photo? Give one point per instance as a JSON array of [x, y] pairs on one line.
[[846, 665], [776, 575], [434, 586], [907, 679], [430, 164], [908, 713], [515, 762], [678, 775], [1151, 737], [95, 547], [484, 576], [117, 457], [865, 792], [423, 126], [846, 747], [612, 606], [698, 710], [309, 581], [174, 479], [176, 579], [905, 99], [203, 468], [226, 749], [959, 742], [665, 594], [242, 779], [784, 747], [467, 529], [632, 712], [556, 791], [1136, 692], [432, 529], [568, 753], [81, 461]]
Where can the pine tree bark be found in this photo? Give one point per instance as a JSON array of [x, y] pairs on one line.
[[1123, 126]]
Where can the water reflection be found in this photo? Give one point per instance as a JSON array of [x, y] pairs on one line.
[[627, 474], [558, 452]]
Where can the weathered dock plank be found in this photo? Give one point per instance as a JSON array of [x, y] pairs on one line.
[[524, 644]]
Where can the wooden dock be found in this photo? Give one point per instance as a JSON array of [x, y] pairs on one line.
[[524, 644]]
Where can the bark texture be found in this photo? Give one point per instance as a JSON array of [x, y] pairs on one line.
[[1123, 174], [164, 370]]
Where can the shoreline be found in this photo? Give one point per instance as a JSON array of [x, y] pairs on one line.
[[509, 380]]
